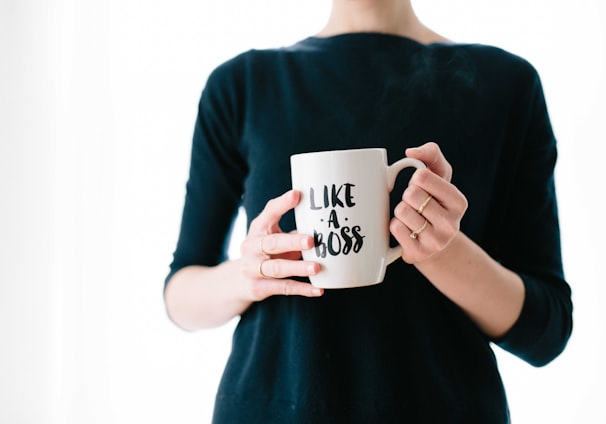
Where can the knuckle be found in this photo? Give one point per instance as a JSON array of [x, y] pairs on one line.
[[460, 204], [407, 209], [270, 243], [395, 226], [270, 203], [274, 268], [421, 176], [433, 148], [464, 204], [257, 290], [409, 194], [457, 210], [399, 209], [461, 209], [448, 172], [254, 224]]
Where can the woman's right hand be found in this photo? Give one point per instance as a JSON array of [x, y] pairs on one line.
[[270, 257]]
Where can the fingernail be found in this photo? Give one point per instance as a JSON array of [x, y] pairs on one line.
[[306, 243], [316, 291], [311, 269]]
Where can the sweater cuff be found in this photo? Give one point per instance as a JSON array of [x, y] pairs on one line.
[[533, 337]]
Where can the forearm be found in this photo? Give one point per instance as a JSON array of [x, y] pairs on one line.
[[203, 297], [489, 293]]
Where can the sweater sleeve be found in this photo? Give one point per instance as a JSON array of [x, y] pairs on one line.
[[531, 243], [217, 171]]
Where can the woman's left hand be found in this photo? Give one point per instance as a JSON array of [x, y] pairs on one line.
[[429, 215]]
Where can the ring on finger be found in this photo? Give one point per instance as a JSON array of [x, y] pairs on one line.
[[416, 233], [261, 274], [424, 204]]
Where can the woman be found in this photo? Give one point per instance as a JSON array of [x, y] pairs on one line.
[[481, 254]]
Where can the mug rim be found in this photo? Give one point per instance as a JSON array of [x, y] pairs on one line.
[[356, 150]]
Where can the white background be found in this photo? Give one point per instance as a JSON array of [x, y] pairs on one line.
[[97, 104]]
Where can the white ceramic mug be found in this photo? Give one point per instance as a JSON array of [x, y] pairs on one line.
[[345, 206]]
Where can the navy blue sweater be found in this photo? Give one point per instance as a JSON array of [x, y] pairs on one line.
[[400, 351]]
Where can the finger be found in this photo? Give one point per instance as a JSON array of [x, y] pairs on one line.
[[295, 288], [274, 210], [271, 287], [281, 268], [413, 250], [278, 243], [418, 199], [433, 210], [414, 222], [432, 156], [445, 194]]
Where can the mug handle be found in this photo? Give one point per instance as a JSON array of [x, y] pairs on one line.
[[392, 172]]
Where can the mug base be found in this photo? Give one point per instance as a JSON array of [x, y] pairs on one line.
[[344, 285]]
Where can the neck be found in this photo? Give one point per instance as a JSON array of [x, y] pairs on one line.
[[383, 16]]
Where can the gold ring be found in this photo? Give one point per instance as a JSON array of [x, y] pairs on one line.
[[261, 274], [263, 252], [414, 234], [424, 204]]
